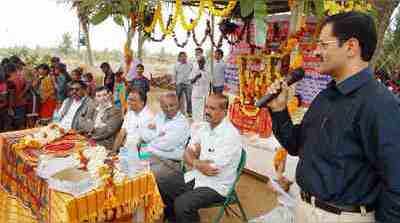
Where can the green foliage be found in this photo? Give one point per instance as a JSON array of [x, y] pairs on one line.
[[319, 8], [246, 7], [65, 46], [101, 14], [391, 46], [29, 56]]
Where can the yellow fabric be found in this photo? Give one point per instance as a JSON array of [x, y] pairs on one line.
[[142, 190], [12, 210], [131, 194], [47, 89]]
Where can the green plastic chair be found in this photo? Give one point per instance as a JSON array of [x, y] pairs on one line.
[[232, 197]]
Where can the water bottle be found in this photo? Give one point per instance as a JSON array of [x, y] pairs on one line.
[[56, 117], [123, 157]]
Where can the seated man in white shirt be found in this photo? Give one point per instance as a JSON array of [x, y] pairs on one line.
[[167, 136], [76, 109], [214, 155], [136, 120]]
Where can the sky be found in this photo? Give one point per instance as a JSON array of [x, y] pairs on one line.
[[42, 23]]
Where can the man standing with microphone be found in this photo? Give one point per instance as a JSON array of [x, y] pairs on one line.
[[348, 142]]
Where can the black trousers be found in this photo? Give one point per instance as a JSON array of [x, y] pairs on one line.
[[183, 201]]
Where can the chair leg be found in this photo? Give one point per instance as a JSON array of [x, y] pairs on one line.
[[220, 214], [244, 217]]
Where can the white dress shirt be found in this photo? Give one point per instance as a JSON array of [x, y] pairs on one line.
[[202, 85], [168, 139], [219, 73], [182, 73], [66, 122], [135, 123], [223, 146]]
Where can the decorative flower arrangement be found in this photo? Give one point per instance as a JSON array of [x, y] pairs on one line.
[[40, 138], [333, 7], [179, 14], [254, 84], [95, 161]]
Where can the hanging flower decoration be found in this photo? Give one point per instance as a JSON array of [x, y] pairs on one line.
[[333, 7], [221, 12], [182, 45], [179, 14], [182, 18], [158, 18], [207, 32], [253, 84]]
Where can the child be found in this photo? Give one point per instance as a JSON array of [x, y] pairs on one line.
[[120, 92]]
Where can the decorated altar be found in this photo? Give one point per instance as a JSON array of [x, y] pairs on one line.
[[38, 164]]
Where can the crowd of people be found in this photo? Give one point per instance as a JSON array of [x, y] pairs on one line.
[[347, 142], [116, 115], [30, 95]]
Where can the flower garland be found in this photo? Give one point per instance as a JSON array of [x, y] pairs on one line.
[[162, 38], [240, 36], [332, 7], [182, 45], [158, 18], [261, 83], [194, 22], [206, 34], [221, 12], [179, 14]]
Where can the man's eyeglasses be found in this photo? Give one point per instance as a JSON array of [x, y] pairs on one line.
[[325, 44]]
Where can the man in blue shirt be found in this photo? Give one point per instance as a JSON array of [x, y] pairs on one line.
[[348, 142]]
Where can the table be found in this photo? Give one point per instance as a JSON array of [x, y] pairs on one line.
[[19, 179]]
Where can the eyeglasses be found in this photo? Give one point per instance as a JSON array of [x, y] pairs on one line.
[[324, 44]]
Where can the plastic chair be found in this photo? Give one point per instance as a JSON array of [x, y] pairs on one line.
[[232, 197]]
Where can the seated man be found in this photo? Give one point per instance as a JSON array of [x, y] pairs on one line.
[[167, 136], [106, 122], [76, 109], [136, 120], [214, 155]]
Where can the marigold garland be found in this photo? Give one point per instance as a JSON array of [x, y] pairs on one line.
[[158, 18], [221, 12], [193, 23]]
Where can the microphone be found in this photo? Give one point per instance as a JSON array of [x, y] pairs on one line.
[[292, 78]]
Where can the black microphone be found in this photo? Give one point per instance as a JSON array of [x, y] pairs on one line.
[[292, 78]]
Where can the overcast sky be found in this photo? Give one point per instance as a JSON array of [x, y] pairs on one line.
[[42, 22]]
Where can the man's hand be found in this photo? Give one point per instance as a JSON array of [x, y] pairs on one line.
[[280, 102], [206, 167]]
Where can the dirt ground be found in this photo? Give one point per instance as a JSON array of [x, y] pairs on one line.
[[254, 195]]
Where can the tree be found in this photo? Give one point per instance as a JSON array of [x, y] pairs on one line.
[[388, 59], [84, 11], [65, 46], [385, 9]]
